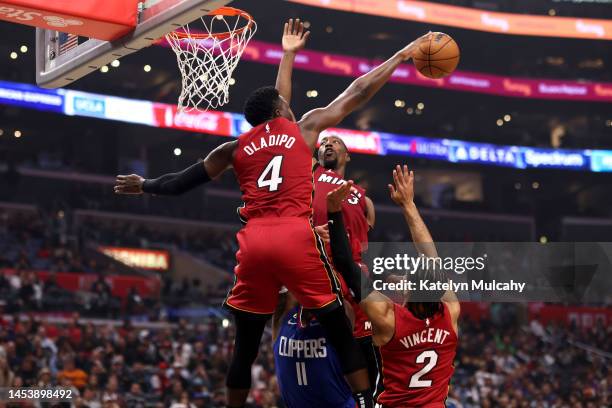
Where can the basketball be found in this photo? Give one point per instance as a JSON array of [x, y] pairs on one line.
[[437, 58]]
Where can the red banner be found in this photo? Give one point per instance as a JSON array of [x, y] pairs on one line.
[[582, 316], [87, 18], [210, 122], [348, 66]]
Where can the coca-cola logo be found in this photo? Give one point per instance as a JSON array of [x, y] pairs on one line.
[[200, 121]]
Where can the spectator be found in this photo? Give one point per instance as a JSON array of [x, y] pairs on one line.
[[6, 374], [135, 398], [89, 399], [74, 375]]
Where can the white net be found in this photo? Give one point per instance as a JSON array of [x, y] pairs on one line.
[[208, 52]]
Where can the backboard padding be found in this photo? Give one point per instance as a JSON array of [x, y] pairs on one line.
[[55, 70]]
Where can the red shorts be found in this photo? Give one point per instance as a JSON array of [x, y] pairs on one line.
[[276, 252]]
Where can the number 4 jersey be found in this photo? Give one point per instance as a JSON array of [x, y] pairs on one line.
[[278, 246], [417, 364], [274, 169]]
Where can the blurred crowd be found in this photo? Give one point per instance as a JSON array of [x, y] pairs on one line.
[[509, 365], [35, 240], [498, 364], [123, 366], [500, 361]]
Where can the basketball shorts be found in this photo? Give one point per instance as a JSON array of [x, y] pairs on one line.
[[281, 251]]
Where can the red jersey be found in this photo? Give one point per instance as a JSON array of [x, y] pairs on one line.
[[417, 364], [273, 165], [354, 209]]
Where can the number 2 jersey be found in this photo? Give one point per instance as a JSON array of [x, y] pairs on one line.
[[307, 367], [417, 364], [273, 165]]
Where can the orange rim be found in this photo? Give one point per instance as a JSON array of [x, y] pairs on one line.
[[223, 11]]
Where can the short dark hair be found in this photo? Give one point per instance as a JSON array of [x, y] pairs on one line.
[[260, 105], [427, 303]]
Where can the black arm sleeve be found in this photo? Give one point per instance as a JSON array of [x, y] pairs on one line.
[[177, 183], [343, 256]]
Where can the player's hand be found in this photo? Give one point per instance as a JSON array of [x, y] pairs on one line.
[[294, 36], [408, 52], [131, 184], [323, 232], [336, 197], [402, 191]]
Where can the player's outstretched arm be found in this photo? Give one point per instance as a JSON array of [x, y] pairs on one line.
[[178, 183], [294, 40], [402, 194], [358, 93]]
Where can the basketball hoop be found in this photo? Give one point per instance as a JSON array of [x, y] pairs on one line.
[[207, 56]]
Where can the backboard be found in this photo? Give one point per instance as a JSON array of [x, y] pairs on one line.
[[63, 58]]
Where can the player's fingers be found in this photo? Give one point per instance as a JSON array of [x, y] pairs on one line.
[[290, 28], [400, 175], [296, 25], [286, 29], [396, 178], [406, 172], [411, 175], [348, 187], [391, 188], [306, 35]]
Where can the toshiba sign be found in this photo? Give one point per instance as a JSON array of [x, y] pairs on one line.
[[158, 260]]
